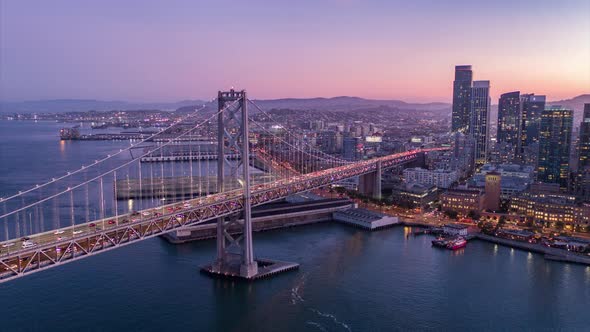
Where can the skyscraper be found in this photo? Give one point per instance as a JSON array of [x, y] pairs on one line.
[[584, 145], [350, 148], [461, 98], [555, 137], [479, 128], [583, 174], [509, 122], [531, 109]]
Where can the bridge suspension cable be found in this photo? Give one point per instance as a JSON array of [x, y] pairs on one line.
[[99, 161], [300, 138], [113, 170]]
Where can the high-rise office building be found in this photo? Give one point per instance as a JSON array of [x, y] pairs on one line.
[[352, 148], [584, 144], [479, 127], [555, 135], [583, 174], [509, 122], [461, 98], [531, 109]]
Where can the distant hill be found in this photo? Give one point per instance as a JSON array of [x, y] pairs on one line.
[[342, 103], [345, 103], [74, 105], [332, 104], [576, 103]]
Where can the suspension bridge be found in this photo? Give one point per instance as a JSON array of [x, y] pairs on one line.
[[79, 214]]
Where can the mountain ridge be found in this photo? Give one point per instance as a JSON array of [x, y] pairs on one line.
[[318, 103]]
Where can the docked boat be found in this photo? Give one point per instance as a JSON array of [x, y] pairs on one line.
[[457, 243], [440, 242]]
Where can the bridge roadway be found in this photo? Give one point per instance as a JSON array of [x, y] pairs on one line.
[[19, 257]]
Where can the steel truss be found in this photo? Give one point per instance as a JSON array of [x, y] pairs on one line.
[[26, 261]]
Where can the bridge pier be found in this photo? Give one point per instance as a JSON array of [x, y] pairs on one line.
[[370, 183]]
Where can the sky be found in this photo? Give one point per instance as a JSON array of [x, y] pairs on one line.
[[148, 51]]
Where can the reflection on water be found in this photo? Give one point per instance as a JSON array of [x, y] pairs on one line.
[[62, 147], [407, 231], [349, 279], [458, 252]]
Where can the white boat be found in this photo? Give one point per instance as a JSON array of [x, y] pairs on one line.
[[59, 231], [6, 245]]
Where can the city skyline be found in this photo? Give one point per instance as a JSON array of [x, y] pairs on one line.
[[373, 50]]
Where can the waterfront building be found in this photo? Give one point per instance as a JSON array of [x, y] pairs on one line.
[[438, 177], [479, 128], [461, 98], [551, 209], [364, 218], [509, 124], [583, 173], [455, 229], [414, 195], [554, 145], [462, 201], [516, 234], [492, 189]]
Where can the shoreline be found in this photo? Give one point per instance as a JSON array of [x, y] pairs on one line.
[[550, 254]]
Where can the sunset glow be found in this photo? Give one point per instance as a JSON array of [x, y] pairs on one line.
[[173, 50]]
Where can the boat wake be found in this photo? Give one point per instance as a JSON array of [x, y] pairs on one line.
[[333, 318], [318, 325], [295, 296]]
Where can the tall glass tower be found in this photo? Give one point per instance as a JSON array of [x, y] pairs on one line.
[[461, 98], [479, 127], [555, 138], [583, 175], [584, 145], [509, 121], [532, 108]]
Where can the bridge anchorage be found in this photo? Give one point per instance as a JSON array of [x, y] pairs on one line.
[[235, 253]]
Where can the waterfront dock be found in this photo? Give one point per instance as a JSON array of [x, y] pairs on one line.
[[268, 217], [553, 254], [365, 219]]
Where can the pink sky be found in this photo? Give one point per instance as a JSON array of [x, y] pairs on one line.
[[173, 50]]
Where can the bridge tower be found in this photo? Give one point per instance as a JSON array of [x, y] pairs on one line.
[[232, 126]]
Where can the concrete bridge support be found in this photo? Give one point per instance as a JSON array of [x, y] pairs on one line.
[[370, 183]]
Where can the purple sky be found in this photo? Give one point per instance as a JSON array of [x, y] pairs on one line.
[[173, 50]]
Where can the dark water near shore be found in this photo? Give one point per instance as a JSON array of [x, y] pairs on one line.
[[349, 280]]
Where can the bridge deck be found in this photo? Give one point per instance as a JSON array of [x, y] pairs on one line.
[[44, 250]]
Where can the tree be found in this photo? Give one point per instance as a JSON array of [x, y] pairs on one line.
[[451, 214], [473, 215], [559, 225], [502, 221]]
